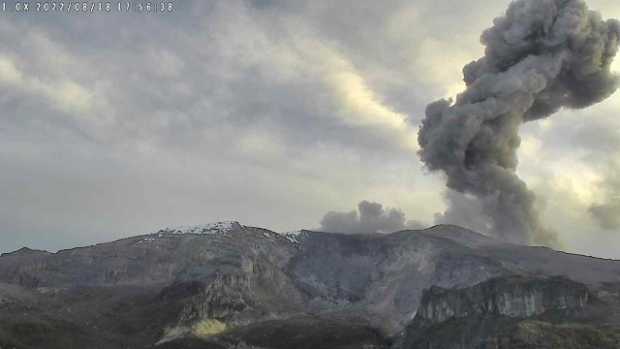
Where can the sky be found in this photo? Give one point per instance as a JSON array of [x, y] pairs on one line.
[[269, 112]]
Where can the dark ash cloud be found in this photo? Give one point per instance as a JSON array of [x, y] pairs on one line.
[[372, 218], [465, 211], [543, 55]]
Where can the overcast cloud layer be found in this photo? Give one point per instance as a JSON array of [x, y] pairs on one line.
[[268, 112]]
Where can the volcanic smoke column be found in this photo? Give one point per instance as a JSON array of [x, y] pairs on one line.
[[541, 56]]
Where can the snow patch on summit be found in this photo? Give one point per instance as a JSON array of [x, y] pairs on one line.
[[202, 229], [207, 229], [295, 237]]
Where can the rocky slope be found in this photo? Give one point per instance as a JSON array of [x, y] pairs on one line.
[[513, 312], [516, 297], [226, 285]]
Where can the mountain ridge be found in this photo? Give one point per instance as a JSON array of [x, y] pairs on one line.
[[202, 281], [285, 234]]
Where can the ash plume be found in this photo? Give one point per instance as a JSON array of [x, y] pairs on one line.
[[542, 55], [372, 218]]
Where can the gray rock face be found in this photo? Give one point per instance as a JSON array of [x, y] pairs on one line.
[[513, 312], [515, 297], [384, 275]]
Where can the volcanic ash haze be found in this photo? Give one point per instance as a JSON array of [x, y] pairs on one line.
[[541, 56]]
